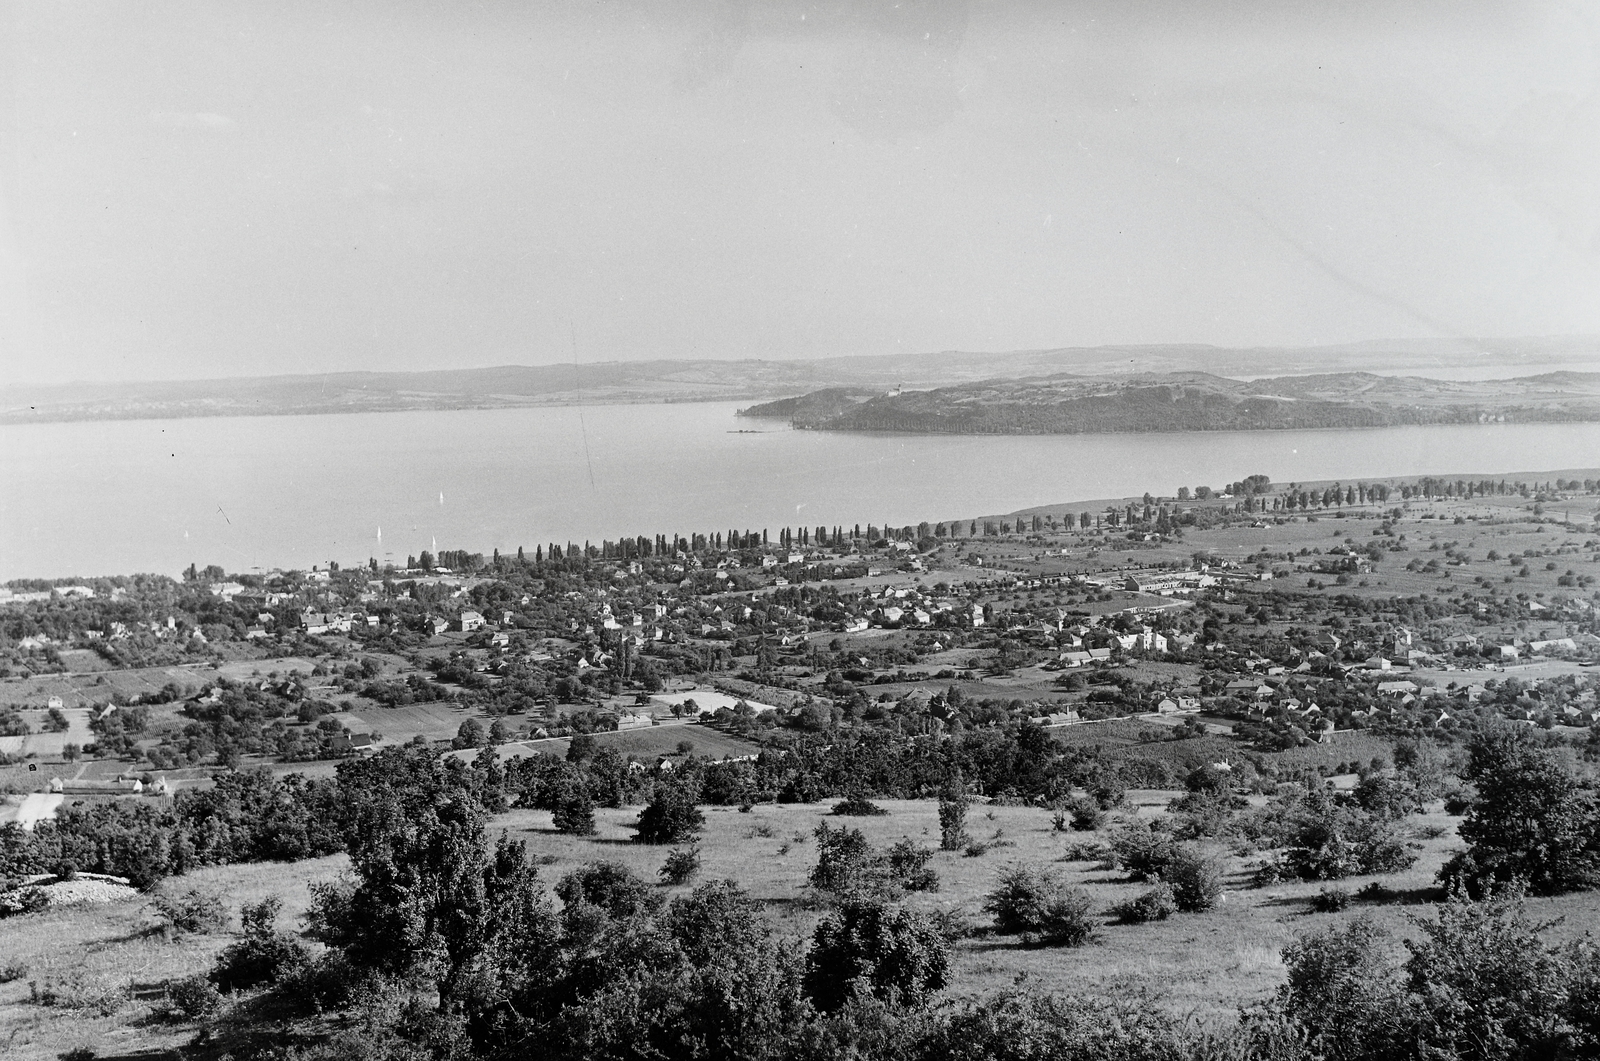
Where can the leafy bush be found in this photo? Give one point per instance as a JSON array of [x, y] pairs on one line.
[[195, 997], [1196, 882], [1478, 985], [264, 955], [1533, 818], [858, 806], [1037, 904], [1330, 900], [609, 887], [681, 865], [670, 818], [1086, 814], [1143, 852], [24, 900], [1327, 839], [909, 865], [845, 860], [900, 956], [192, 910], [1156, 904], [953, 823]]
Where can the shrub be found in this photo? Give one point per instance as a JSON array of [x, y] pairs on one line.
[[1196, 882], [331, 982], [193, 910], [195, 997], [858, 806], [264, 955], [908, 863], [1329, 840], [79, 991], [900, 956], [1143, 852], [1086, 814], [845, 861], [953, 823], [12, 972], [1038, 905], [607, 886], [1086, 851], [1156, 904], [23, 901], [1330, 900], [681, 865], [1533, 818]]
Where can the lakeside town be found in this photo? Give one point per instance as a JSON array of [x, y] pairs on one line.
[[1093, 678], [1298, 615]]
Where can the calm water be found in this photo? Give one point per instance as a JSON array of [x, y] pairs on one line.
[[154, 495]]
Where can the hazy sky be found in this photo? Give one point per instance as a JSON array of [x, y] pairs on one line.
[[248, 187]]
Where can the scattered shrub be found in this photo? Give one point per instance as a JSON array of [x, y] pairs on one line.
[[896, 954], [195, 997], [670, 818], [953, 823], [682, 865], [1330, 900], [1143, 852], [193, 910], [1196, 882], [858, 806], [264, 955], [574, 812], [909, 863], [1038, 905], [1086, 814], [1156, 904]]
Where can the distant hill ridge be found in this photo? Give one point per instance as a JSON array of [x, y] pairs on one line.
[[1196, 401], [511, 386]]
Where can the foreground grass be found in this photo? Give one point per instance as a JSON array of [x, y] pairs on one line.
[[110, 964]]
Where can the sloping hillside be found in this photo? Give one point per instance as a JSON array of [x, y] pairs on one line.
[[1197, 401]]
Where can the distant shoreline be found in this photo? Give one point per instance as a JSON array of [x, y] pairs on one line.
[[670, 382]]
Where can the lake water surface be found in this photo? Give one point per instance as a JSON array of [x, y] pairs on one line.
[[258, 492]]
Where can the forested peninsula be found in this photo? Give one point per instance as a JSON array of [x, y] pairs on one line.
[[1194, 401]]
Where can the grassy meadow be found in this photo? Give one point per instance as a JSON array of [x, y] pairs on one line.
[[110, 963]]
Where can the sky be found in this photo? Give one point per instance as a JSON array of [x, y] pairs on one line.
[[194, 190]]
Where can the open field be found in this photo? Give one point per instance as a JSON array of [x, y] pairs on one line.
[[113, 960], [646, 744], [1204, 965]]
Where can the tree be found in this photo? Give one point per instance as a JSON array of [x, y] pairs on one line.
[[469, 735], [893, 953], [582, 746], [953, 823], [1532, 818], [671, 817], [1343, 992], [845, 861], [574, 811]]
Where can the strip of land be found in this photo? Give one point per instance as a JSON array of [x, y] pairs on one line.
[[757, 379], [1194, 401]]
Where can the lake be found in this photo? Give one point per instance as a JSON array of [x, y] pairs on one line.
[[259, 492]]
